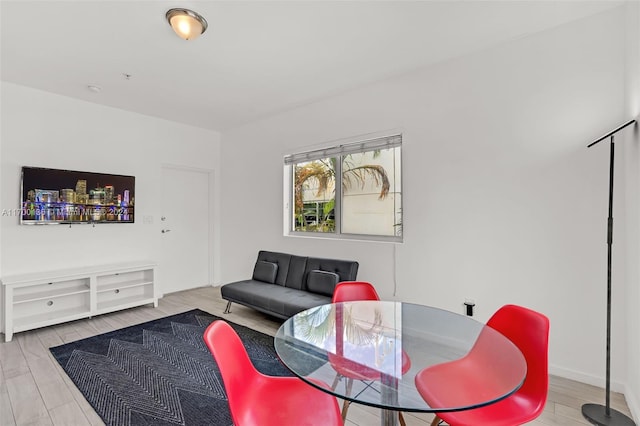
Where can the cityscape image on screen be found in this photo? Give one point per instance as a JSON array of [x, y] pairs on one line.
[[67, 196]]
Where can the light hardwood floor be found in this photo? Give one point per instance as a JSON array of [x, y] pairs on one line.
[[34, 390]]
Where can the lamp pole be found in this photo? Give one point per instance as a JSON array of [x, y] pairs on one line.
[[595, 413]]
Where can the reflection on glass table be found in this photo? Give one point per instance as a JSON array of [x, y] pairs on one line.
[[396, 341]]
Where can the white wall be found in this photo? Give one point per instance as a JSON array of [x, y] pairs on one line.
[[2, 134], [48, 130], [630, 143], [503, 203]]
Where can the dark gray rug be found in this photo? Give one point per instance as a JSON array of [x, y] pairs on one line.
[[160, 372]]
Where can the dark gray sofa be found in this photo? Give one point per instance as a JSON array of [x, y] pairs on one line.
[[284, 284]]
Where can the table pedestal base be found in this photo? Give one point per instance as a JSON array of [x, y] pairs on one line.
[[389, 418]]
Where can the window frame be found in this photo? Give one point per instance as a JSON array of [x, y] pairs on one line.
[[393, 140]]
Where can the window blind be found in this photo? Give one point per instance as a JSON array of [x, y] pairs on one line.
[[386, 142]]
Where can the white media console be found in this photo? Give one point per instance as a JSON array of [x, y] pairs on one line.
[[34, 300]]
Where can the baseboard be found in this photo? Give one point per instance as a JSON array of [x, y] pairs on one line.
[[587, 378], [633, 402]]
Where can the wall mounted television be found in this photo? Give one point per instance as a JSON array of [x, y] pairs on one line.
[[52, 196]]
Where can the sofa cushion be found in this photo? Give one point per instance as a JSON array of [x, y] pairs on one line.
[[295, 301], [265, 271], [322, 282], [273, 299]]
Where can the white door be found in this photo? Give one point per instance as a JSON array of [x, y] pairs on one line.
[[186, 227]]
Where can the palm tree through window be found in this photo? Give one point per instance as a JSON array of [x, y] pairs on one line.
[[367, 200]]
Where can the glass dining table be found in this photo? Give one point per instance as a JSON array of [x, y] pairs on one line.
[[388, 350]]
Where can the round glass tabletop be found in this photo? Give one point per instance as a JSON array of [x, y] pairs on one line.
[[401, 356]]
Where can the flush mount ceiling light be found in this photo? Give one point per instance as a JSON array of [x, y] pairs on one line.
[[186, 23]]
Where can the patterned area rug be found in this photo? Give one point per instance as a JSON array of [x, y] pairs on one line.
[[159, 372]]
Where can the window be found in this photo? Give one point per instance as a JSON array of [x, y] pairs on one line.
[[365, 201]]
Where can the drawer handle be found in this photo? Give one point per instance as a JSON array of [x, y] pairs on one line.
[[50, 302], [117, 291]]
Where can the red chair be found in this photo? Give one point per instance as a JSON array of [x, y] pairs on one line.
[[256, 399], [450, 383], [349, 291]]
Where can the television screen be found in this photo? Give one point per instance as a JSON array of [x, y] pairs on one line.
[[67, 196]]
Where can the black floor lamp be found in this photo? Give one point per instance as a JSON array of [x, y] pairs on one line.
[[604, 415]]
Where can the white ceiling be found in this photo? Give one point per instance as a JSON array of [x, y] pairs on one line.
[[257, 58]]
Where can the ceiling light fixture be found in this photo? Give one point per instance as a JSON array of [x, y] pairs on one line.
[[186, 23]]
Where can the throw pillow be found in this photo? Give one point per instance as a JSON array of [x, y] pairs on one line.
[[322, 282], [265, 271]]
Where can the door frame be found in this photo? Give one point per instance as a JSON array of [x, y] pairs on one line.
[[212, 240]]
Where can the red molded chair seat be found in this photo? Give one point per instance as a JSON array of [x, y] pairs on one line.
[[354, 370], [349, 291], [256, 399], [460, 382]]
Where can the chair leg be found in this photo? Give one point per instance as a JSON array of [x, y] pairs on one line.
[[345, 408], [227, 310], [335, 382], [345, 405], [436, 421]]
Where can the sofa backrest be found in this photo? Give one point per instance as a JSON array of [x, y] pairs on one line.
[[295, 276], [282, 260], [294, 271], [347, 270]]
